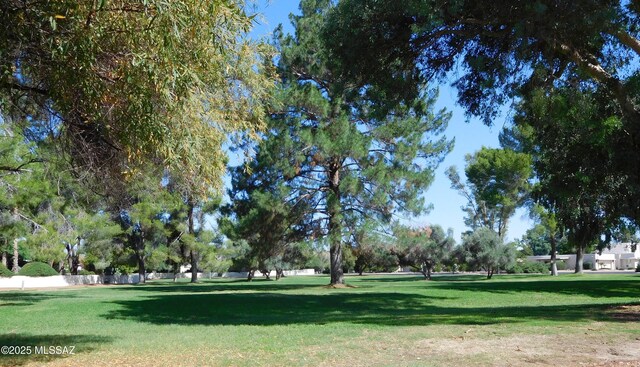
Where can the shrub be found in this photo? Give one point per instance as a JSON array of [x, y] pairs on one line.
[[529, 267], [36, 269], [4, 272], [561, 265], [85, 272], [586, 266], [638, 268]]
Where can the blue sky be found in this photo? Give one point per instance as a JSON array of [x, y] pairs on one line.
[[469, 137]]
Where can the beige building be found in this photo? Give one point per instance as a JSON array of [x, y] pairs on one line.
[[621, 256], [625, 255]]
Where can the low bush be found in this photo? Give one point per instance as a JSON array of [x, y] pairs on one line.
[[85, 272], [529, 267], [36, 269], [561, 265], [638, 268], [4, 272], [586, 266]]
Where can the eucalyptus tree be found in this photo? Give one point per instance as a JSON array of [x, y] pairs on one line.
[[340, 146], [124, 82]]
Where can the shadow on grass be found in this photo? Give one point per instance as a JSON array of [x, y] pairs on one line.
[[26, 298], [37, 348], [388, 309], [205, 286], [596, 288]]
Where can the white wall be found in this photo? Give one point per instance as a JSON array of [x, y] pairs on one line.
[[19, 281]]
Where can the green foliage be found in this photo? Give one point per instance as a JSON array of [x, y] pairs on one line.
[[572, 137], [529, 267], [424, 248], [129, 81], [492, 46], [535, 238], [341, 152], [124, 269], [4, 272], [638, 268], [561, 265], [85, 272], [484, 249], [497, 184], [37, 269]]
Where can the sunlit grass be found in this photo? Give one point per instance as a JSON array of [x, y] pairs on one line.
[[298, 321]]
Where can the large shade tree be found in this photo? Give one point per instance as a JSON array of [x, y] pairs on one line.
[[338, 146], [496, 45], [573, 137], [503, 50], [121, 82]]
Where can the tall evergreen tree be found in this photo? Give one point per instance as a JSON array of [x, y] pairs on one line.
[[340, 146]]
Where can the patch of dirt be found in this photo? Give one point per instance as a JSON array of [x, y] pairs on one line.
[[587, 348], [625, 313]]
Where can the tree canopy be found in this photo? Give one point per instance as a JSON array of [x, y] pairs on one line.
[[497, 184], [123, 83], [499, 47]]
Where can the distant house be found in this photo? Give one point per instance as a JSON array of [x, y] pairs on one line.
[[601, 261], [622, 255]]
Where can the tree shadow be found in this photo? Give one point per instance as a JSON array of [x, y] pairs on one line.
[[37, 348], [26, 298], [386, 309], [596, 288], [387, 278], [235, 285]]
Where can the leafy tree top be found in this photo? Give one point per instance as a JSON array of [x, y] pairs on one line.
[[125, 82]]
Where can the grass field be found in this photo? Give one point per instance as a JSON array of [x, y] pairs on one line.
[[380, 321]]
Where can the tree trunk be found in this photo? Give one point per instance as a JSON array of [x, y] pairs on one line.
[[250, 274], [554, 267], [279, 273], [142, 271], [267, 273], [337, 274], [335, 226], [192, 253], [489, 273], [579, 258], [4, 258], [16, 254], [194, 266]]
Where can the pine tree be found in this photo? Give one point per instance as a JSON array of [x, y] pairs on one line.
[[340, 147]]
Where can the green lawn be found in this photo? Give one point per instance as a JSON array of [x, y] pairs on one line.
[[381, 321]]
